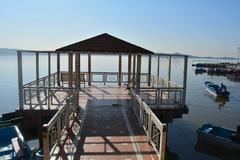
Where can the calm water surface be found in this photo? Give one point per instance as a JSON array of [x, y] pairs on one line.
[[182, 138]]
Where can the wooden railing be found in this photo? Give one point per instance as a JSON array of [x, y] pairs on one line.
[[46, 90], [48, 96], [153, 127], [53, 130], [44, 81], [159, 82], [164, 92], [106, 77]]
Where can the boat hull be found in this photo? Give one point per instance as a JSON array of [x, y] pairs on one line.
[[225, 141]]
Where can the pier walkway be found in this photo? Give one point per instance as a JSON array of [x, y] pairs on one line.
[[107, 129], [101, 121]]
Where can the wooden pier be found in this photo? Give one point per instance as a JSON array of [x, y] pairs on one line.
[[114, 117]]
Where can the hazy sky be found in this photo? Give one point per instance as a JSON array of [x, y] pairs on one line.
[[198, 27]]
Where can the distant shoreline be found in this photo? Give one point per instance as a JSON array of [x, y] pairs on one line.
[[13, 52]]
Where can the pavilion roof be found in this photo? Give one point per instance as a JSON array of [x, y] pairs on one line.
[[105, 43]]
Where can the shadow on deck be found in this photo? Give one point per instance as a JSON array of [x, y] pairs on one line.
[[109, 129]]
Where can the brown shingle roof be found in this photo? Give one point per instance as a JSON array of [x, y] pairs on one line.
[[105, 43]]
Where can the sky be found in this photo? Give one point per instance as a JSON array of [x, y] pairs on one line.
[[196, 27]]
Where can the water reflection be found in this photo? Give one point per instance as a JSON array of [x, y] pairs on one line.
[[216, 151], [221, 101]]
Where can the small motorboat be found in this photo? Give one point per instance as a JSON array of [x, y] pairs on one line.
[[224, 137], [216, 90], [12, 144]]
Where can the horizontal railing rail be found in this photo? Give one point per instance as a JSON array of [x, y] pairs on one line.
[[163, 96], [53, 130], [39, 96], [153, 127], [43, 82], [104, 77], [157, 81]]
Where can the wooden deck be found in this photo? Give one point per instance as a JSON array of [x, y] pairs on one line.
[[109, 129]]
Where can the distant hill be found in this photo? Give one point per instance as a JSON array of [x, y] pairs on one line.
[[8, 51], [208, 57]]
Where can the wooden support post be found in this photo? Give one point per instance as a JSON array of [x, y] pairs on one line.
[[138, 78], [120, 70], [163, 138], [149, 69], [37, 68], [20, 80], [77, 69], [49, 79], [70, 71], [46, 142], [89, 69], [185, 79], [77, 74], [58, 69], [134, 71], [169, 68], [158, 67], [129, 68], [37, 79]]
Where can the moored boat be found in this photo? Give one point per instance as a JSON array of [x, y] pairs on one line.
[[12, 144], [216, 90], [220, 136]]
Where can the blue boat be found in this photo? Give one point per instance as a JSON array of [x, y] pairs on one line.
[[224, 137], [12, 144], [214, 89]]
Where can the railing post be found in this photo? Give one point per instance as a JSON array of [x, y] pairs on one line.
[[129, 68], [134, 71], [20, 80], [49, 79], [120, 70], [149, 127], [138, 78], [185, 80], [59, 130], [89, 69], [158, 69], [70, 71], [58, 69], [140, 114], [162, 142], [46, 143], [104, 78], [169, 68], [149, 69]]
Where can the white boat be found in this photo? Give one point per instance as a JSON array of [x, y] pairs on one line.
[[214, 90]]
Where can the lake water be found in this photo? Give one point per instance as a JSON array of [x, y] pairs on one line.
[[182, 138]]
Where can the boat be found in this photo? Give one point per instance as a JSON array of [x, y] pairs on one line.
[[12, 144], [214, 89], [200, 71], [220, 136]]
